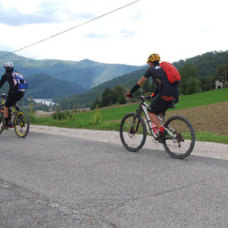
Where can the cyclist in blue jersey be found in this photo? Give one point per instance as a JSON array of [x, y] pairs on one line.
[[13, 95]]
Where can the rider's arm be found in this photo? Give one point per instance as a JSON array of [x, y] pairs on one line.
[[141, 81], [138, 84], [2, 81]]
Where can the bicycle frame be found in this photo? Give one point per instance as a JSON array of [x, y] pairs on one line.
[[12, 110], [143, 108]]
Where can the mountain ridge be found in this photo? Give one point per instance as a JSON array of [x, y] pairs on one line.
[[86, 73], [52, 87]]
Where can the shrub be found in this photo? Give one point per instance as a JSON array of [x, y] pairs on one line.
[[65, 115], [96, 117], [31, 110]]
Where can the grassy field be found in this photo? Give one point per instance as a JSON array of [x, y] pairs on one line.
[[187, 106]]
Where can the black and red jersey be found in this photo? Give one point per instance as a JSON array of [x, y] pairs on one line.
[[163, 86]]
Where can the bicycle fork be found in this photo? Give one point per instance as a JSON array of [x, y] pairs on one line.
[[132, 131]]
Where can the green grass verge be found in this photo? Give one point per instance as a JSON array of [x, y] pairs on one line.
[[211, 137], [111, 116], [204, 98]]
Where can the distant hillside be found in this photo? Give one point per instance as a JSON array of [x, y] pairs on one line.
[[85, 99], [206, 64], [85, 73], [126, 81], [44, 86]]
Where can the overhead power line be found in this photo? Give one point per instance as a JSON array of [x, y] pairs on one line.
[[69, 29]]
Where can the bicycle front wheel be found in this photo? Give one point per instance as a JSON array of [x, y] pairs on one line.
[[1, 122], [182, 139], [133, 132], [21, 124]]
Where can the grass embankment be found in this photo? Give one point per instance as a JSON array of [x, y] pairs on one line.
[[209, 121]]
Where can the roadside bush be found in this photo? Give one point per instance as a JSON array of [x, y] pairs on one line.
[[96, 117], [31, 110], [65, 115]]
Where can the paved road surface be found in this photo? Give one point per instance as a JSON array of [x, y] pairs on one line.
[[55, 181]]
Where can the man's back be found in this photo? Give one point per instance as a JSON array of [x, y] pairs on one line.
[[9, 78], [161, 81]]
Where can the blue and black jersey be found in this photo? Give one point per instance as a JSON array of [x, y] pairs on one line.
[[9, 78]]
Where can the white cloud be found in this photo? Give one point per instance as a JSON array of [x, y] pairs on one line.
[[176, 29]]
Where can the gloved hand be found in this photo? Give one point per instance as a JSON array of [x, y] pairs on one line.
[[129, 95], [152, 95]]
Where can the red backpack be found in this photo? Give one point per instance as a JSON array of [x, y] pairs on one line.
[[171, 72]]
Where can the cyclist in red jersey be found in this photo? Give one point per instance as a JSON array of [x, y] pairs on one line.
[[164, 94]]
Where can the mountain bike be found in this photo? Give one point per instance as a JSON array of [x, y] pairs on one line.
[[18, 119], [178, 143]]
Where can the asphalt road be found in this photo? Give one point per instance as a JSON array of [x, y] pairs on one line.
[[56, 181]]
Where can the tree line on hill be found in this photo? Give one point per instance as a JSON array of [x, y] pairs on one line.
[[109, 97], [191, 83], [198, 74], [117, 95]]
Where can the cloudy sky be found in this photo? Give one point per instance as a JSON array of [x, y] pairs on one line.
[[176, 29]]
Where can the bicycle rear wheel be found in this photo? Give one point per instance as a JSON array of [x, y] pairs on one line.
[[21, 124], [133, 132], [181, 144]]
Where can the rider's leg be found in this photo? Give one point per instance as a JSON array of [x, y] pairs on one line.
[[6, 112], [157, 106], [6, 115], [154, 118], [154, 110], [9, 102]]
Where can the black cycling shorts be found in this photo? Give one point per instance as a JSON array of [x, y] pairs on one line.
[[160, 104], [12, 98]]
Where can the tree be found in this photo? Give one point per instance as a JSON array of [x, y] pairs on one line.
[[96, 103], [206, 83], [192, 86], [105, 97], [122, 99], [189, 77], [119, 90], [221, 73], [113, 96]]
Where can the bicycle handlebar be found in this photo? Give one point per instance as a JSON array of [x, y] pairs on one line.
[[141, 97]]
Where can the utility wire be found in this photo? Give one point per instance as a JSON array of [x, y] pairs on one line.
[[67, 30]]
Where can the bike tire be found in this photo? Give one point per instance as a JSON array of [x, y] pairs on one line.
[[1, 122], [19, 123], [123, 133], [170, 144]]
